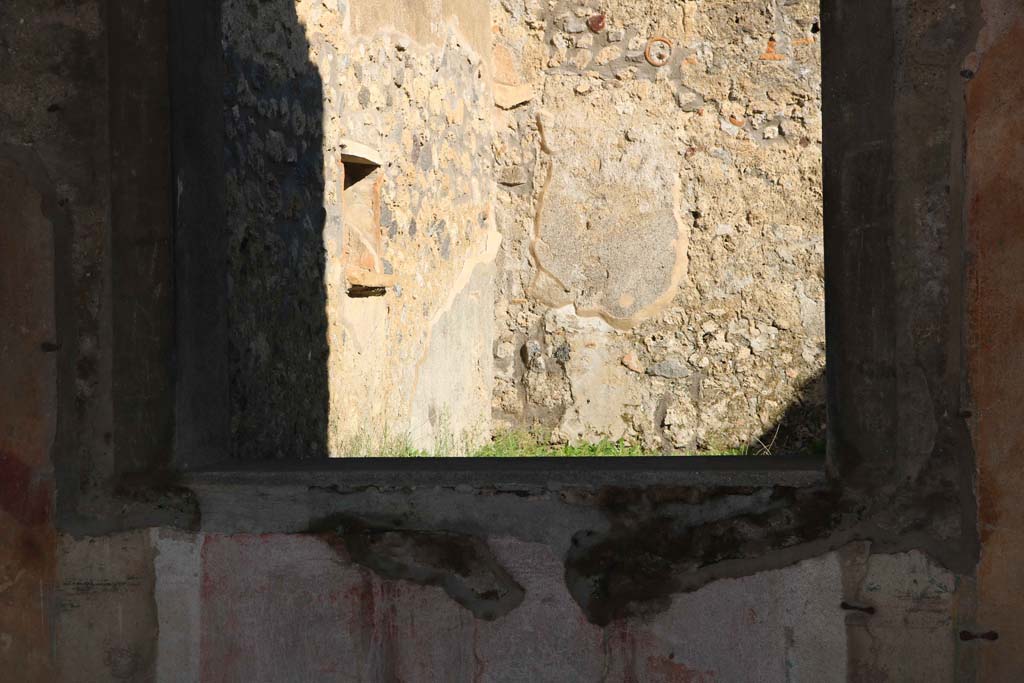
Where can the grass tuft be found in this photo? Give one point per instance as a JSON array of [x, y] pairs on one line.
[[520, 444], [524, 444], [515, 444]]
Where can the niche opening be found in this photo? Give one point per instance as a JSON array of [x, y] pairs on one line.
[[364, 273]]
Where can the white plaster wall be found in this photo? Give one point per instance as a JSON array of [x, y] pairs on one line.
[[288, 607]]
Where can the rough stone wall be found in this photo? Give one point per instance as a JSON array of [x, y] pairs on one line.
[[662, 269], [274, 188], [312, 366]]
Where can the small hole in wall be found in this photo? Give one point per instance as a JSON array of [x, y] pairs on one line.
[[362, 252], [355, 172], [815, 28]]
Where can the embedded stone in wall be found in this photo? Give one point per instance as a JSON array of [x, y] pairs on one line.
[[600, 384], [509, 96]]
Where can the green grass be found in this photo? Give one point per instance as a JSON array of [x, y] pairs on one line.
[[522, 444], [386, 445], [517, 444]]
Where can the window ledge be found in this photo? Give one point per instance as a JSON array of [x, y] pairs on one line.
[[577, 472]]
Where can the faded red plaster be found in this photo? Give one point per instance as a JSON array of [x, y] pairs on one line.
[[995, 181], [211, 584], [668, 671], [256, 590], [23, 495], [633, 655], [626, 641], [28, 540]]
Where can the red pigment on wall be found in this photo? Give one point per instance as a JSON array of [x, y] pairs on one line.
[[23, 495]]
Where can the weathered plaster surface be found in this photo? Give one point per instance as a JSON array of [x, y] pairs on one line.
[[54, 186], [105, 588], [449, 410], [995, 215], [177, 561], [339, 620], [600, 213], [28, 405]]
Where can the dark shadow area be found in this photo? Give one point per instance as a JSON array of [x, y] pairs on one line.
[[801, 429], [250, 220], [277, 320]]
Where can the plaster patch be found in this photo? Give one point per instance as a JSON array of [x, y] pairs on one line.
[[608, 237]]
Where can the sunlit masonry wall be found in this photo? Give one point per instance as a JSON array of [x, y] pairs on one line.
[[587, 223]]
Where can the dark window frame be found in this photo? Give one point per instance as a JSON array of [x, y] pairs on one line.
[[201, 425], [869, 484]]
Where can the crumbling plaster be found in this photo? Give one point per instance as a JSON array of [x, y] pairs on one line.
[[245, 572]]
